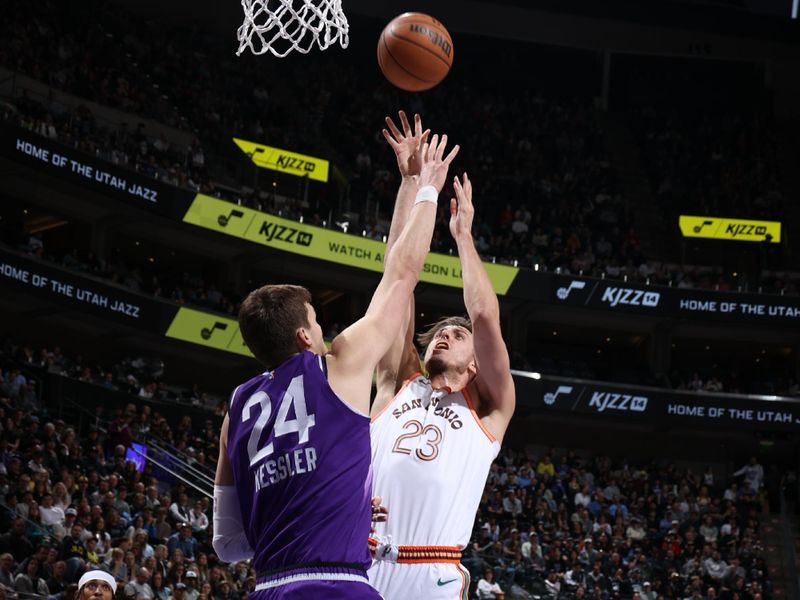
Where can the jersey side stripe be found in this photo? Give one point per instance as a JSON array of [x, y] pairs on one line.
[[406, 383], [465, 581], [471, 405]]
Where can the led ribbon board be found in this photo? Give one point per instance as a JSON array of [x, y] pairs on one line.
[[324, 244]]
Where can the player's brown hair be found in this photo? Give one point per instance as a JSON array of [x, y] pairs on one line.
[[424, 338], [269, 318]]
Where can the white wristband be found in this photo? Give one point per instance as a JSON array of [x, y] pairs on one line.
[[427, 193]]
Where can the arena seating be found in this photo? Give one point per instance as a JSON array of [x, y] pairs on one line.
[[571, 526], [547, 188], [585, 526], [553, 523]]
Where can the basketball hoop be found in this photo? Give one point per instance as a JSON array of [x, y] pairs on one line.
[[280, 26]]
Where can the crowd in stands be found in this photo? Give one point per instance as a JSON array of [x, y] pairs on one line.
[[768, 381], [191, 289], [69, 501], [713, 164], [546, 188], [140, 377], [563, 526], [571, 527], [706, 136], [547, 197], [125, 146]]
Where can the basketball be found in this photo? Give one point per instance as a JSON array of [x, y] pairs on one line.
[[415, 52]]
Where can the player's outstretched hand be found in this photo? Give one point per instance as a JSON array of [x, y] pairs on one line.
[[407, 145], [462, 210], [434, 163]]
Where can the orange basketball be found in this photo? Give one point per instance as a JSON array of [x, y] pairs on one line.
[[415, 52]]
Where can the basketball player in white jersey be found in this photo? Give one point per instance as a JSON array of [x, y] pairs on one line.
[[434, 436], [293, 483]]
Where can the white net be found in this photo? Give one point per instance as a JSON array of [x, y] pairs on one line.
[[280, 26]]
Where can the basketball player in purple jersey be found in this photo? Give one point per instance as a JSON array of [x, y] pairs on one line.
[[434, 437], [294, 482]]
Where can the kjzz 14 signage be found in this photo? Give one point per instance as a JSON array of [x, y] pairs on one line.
[[667, 302], [738, 230], [285, 161], [610, 295], [657, 406]]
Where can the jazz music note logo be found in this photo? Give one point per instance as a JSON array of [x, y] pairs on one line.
[[223, 219], [550, 397], [563, 292], [699, 228], [206, 332]]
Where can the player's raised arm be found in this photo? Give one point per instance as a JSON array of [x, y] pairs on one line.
[[494, 381], [401, 360], [356, 351]]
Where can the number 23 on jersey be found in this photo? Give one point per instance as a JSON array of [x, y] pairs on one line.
[[431, 436]]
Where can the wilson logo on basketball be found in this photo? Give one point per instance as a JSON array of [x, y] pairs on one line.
[[435, 37]]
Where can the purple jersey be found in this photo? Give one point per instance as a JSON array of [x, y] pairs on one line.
[[301, 463]]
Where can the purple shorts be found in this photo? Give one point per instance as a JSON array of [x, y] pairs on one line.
[[315, 583], [318, 590]]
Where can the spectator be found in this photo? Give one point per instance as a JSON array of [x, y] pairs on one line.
[[160, 588], [179, 591], [512, 506], [29, 582], [708, 530], [115, 565], [57, 583], [7, 571], [199, 521], [583, 498], [138, 588], [98, 531], [545, 466], [635, 532], [162, 527], [553, 584], [16, 542], [182, 540], [575, 577], [488, 588], [51, 515], [715, 568], [190, 579], [753, 474], [179, 510], [647, 592], [93, 560]]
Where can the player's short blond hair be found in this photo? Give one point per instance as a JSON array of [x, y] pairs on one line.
[[424, 338]]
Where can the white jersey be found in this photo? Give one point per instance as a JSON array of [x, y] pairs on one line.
[[430, 458]]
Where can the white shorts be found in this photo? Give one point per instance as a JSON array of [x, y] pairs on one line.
[[420, 581]]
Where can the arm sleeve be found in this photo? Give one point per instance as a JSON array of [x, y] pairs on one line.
[[229, 541]]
